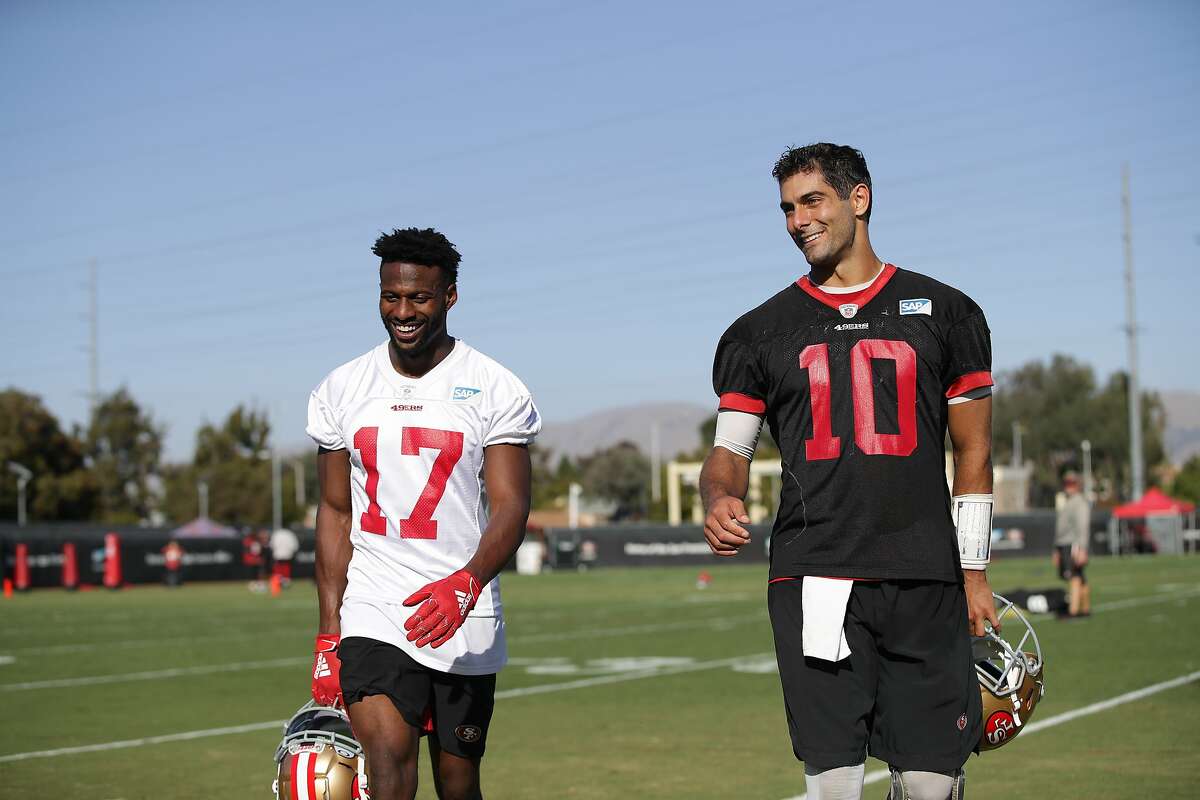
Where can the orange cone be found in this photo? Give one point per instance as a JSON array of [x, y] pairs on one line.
[[276, 586], [8, 590]]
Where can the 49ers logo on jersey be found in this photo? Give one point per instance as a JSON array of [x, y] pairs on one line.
[[1000, 726]]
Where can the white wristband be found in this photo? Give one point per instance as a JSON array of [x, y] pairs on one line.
[[973, 521]]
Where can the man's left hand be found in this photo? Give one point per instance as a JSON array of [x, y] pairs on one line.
[[444, 606], [981, 606]]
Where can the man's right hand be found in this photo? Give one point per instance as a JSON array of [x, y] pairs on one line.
[[723, 526], [326, 683]]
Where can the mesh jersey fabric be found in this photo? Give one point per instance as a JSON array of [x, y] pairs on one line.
[[854, 389], [416, 449]]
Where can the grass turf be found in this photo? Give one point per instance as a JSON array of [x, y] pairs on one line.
[[679, 697]]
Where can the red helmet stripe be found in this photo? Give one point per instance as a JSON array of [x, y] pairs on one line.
[[294, 792]]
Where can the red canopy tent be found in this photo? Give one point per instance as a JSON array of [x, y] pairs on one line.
[[1153, 504], [203, 527]]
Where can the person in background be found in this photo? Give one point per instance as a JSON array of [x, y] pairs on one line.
[[173, 562], [1071, 531], [284, 545], [254, 559]]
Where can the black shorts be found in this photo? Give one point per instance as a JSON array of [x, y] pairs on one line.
[[1067, 568], [460, 706], [907, 694]]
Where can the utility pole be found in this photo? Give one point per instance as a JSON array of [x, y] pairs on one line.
[[93, 339], [1086, 445], [1136, 457], [276, 491], [1016, 445], [655, 464], [202, 492]]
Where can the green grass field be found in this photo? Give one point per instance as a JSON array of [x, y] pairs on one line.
[[623, 683]]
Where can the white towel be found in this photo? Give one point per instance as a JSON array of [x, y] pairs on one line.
[[824, 605]]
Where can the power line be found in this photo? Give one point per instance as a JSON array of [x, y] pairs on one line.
[[705, 98]]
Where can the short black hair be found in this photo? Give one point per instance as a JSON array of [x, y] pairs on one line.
[[842, 166], [424, 246]]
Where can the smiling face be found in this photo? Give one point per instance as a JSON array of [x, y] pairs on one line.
[[413, 301], [823, 225]]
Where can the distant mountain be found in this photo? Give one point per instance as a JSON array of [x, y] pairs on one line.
[[1182, 437], [678, 429]]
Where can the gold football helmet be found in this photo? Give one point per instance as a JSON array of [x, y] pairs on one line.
[[1011, 676], [319, 758]]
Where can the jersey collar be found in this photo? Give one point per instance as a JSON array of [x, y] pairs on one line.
[[859, 299], [406, 385]]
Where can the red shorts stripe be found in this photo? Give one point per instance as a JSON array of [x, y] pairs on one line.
[[972, 380], [732, 401]]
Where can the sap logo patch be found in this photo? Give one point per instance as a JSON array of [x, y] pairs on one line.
[[917, 306], [463, 393]]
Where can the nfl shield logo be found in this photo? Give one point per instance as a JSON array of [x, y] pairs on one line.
[[848, 310]]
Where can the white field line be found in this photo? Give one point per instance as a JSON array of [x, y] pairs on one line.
[[547, 637], [124, 743], [1067, 716], [86, 647], [258, 726], [620, 677], [160, 674], [659, 627], [1133, 602], [92, 680]]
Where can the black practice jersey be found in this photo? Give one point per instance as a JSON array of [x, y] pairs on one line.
[[854, 388]]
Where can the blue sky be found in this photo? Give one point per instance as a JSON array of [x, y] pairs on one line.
[[604, 168]]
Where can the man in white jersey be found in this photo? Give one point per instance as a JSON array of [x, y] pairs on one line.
[[424, 473]]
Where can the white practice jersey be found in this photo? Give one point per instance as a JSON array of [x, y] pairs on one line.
[[416, 480]]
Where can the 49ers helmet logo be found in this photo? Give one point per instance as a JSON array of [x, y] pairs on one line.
[[1000, 726], [468, 733]]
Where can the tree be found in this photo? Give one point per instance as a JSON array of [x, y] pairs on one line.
[[234, 461], [124, 446], [62, 486], [1186, 485], [621, 474], [1059, 404]]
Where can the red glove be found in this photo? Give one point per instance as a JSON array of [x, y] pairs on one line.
[[444, 606], [326, 684]]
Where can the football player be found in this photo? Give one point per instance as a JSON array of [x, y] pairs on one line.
[[424, 473], [860, 368]]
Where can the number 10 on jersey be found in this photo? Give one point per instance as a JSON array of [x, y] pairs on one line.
[[420, 524], [824, 445]]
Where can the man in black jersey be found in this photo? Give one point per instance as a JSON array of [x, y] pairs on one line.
[[860, 368]]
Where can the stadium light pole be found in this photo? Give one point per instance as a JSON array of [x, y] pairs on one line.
[[298, 471], [24, 476], [202, 494], [276, 486]]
